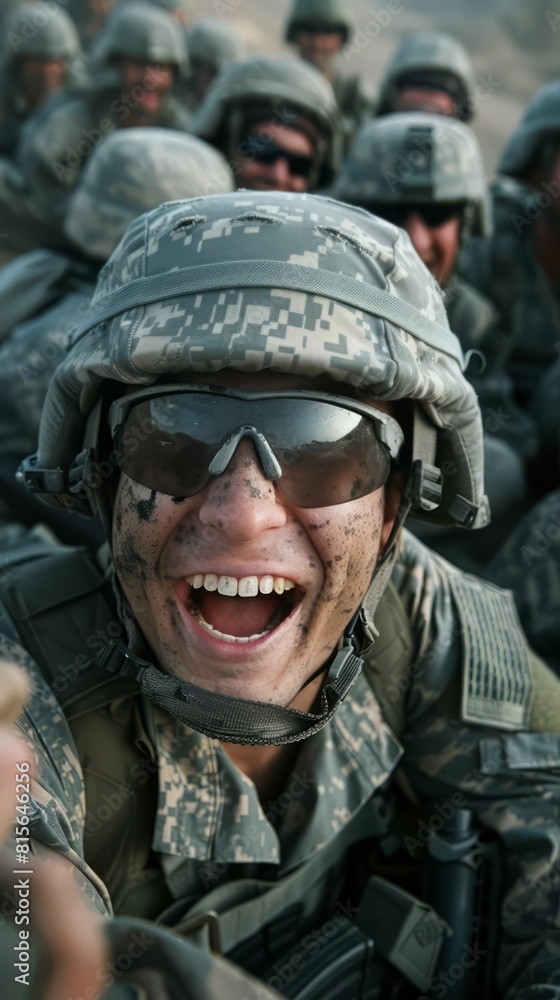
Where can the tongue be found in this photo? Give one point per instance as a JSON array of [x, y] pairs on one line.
[[239, 616]]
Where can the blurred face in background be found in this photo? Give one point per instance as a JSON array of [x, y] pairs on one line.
[[38, 78], [144, 86], [319, 46], [276, 159], [438, 102], [436, 240]]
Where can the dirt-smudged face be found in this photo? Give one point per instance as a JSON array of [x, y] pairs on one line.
[[292, 577]]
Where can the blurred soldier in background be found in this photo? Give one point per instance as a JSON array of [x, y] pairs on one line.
[[141, 52], [181, 10], [518, 268], [319, 29], [430, 71], [211, 45], [276, 121], [89, 17], [43, 294], [41, 54], [425, 174]]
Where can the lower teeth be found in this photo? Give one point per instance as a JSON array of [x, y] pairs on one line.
[[197, 615]]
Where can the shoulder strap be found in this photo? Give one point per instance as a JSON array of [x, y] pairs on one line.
[[60, 602], [388, 663]]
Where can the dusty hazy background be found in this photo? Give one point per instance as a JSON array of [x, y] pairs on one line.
[[514, 45]]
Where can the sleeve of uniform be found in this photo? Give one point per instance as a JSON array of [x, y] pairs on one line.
[[57, 809], [484, 734]]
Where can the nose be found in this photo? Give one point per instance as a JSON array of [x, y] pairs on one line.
[[420, 234], [242, 502], [279, 174]]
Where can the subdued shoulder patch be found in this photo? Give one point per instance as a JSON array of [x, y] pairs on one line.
[[497, 678]]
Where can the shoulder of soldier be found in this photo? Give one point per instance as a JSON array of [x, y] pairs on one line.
[[352, 96], [471, 314], [175, 114], [469, 645]]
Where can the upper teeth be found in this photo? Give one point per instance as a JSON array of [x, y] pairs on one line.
[[247, 586]]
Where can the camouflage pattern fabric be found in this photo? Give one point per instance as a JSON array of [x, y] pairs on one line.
[[504, 268], [425, 53], [415, 158], [211, 828], [529, 565], [356, 106], [283, 328]]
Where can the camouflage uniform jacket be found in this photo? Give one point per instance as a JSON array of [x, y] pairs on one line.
[[504, 268], [355, 105], [210, 825], [57, 140]]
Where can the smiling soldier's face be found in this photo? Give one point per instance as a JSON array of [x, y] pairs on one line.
[[307, 569]]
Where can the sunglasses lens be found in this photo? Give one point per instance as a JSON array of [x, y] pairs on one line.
[[299, 165], [328, 454]]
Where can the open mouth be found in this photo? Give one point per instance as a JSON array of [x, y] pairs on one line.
[[239, 609]]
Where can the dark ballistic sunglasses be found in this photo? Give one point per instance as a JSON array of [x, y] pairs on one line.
[[268, 152], [319, 449], [434, 214]]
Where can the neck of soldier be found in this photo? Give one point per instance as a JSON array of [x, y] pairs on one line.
[[269, 767], [547, 244]]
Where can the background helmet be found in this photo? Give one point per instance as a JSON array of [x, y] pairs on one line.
[[280, 88], [140, 31], [430, 58], [39, 30], [213, 43], [132, 171], [417, 158], [175, 7], [320, 13], [296, 283], [540, 123]]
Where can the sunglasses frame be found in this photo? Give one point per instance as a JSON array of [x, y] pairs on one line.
[[389, 431]]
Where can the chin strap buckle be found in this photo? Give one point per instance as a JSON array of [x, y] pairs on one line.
[[425, 486]]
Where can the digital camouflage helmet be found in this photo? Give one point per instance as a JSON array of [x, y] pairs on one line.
[[417, 158], [279, 89], [431, 59], [213, 43], [296, 283], [141, 32], [329, 14], [43, 31], [540, 124], [132, 171]]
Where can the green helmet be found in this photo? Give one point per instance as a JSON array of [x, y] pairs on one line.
[[315, 286], [141, 31], [320, 13], [417, 158], [212, 42], [430, 59], [540, 123], [184, 7], [132, 171], [280, 88], [39, 30]]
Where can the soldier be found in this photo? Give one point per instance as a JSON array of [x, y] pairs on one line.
[[319, 29], [41, 55], [90, 17], [211, 44], [273, 720], [518, 267], [144, 52], [430, 71], [425, 174], [276, 121], [43, 293]]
